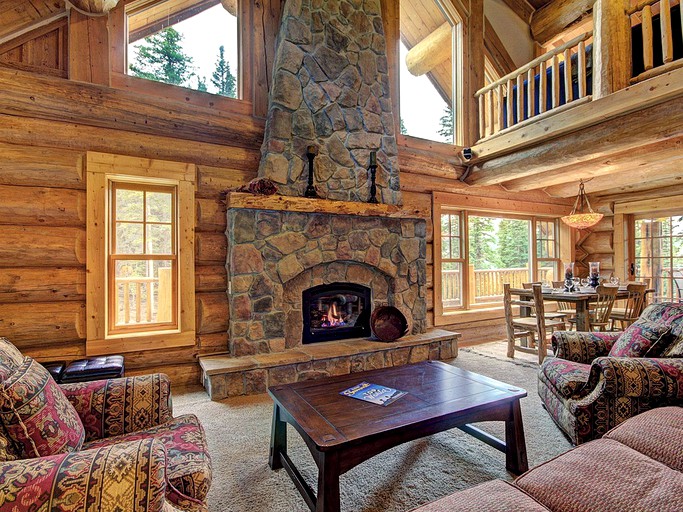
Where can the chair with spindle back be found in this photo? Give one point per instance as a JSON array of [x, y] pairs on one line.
[[566, 308], [527, 326], [601, 310], [634, 307], [549, 315]]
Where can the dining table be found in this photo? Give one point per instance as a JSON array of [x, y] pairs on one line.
[[580, 299]]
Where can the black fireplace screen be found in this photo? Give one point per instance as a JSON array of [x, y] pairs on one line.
[[336, 311]]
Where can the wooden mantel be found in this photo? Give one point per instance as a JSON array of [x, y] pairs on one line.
[[309, 205]]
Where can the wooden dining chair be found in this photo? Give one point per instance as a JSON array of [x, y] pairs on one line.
[[549, 315], [566, 308], [532, 328], [634, 307]]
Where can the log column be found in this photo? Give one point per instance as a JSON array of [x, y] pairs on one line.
[[611, 47]]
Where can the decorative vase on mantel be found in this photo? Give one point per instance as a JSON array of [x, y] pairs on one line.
[[569, 285]]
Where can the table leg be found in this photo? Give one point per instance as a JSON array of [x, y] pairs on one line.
[[515, 444], [278, 439], [328, 483], [582, 324]]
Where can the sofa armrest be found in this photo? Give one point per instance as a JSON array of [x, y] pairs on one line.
[[120, 406], [657, 379], [582, 347], [123, 476]]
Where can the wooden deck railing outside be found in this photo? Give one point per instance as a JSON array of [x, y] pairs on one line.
[[144, 299], [643, 14]]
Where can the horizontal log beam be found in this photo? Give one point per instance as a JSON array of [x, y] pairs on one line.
[[33, 246], [214, 182], [33, 284], [211, 278], [431, 51], [210, 248], [29, 95], [552, 19], [42, 323], [212, 312], [215, 343], [634, 158], [42, 206], [26, 165], [211, 215]]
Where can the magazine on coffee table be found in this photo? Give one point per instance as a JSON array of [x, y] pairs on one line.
[[374, 393]]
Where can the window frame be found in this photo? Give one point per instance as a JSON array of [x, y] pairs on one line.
[[102, 170], [113, 256], [444, 202], [120, 79]]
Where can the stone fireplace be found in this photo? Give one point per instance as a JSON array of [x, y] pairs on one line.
[[299, 267]]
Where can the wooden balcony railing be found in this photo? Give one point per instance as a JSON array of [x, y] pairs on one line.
[[144, 299], [556, 78], [643, 14]]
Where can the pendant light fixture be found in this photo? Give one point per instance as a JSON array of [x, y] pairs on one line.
[[580, 218]]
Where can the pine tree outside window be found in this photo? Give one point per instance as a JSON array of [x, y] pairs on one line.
[[192, 44]]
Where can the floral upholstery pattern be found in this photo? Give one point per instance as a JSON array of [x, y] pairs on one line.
[[136, 457], [188, 465], [568, 377], [675, 349], [642, 338], [37, 417], [617, 388], [118, 406], [125, 476]]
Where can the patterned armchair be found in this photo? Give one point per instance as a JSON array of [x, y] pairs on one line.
[[597, 380], [106, 445]]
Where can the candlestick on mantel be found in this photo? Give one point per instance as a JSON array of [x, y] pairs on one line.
[[311, 153], [373, 173]]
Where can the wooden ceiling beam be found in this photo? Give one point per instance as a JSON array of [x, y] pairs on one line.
[[647, 126], [552, 19], [150, 20], [93, 7], [634, 158], [617, 196], [431, 51], [638, 177], [521, 8]]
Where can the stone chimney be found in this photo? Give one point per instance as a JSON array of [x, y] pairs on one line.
[[330, 89]]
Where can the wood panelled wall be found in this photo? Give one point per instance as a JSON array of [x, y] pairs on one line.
[[47, 124]]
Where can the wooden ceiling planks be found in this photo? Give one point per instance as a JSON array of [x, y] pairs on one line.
[[17, 16]]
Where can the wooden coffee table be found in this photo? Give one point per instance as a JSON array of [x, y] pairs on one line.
[[342, 432]]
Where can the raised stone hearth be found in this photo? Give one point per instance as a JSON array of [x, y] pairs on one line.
[[225, 376]]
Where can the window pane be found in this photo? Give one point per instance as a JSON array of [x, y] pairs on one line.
[[451, 285], [129, 204], [455, 248], [455, 225], [143, 292], [159, 206], [191, 44], [446, 247], [499, 253], [445, 224], [546, 272], [426, 102], [129, 239], [159, 239]]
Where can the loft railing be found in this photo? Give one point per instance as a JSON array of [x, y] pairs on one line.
[[557, 78], [657, 53]]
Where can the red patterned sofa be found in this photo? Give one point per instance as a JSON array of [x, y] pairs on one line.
[[597, 380], [109, 445], [638, 466]]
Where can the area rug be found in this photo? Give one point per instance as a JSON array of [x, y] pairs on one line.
[[400, 479]]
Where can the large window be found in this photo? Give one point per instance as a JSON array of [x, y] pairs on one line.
[[140, 256], [429, 55], [658, 254], [476, 252], [189, 43]]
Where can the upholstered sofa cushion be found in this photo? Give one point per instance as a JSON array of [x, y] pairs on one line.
[[675, 348], [657, 433], [567, 377], [494, 496], [36, 415], [643, 338], [604, 475], [10, 358], [188, 462]]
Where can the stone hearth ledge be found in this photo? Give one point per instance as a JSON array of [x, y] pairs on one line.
[[308, 205], [226, 376]]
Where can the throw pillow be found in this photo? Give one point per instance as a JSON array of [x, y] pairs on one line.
[[642, 338], [675, 349], [37, 416]]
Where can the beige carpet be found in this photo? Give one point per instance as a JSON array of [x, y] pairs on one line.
[[400, 479]]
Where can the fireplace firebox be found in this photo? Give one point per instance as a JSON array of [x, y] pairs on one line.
[[336, 311]]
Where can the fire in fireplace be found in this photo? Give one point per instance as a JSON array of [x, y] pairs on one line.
[[336, 311]]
